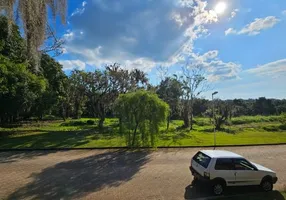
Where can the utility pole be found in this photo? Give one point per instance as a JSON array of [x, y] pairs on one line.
[[214, 93]]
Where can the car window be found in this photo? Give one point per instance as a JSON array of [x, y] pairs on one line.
[[224, 164], [242, 164], [202, 159]]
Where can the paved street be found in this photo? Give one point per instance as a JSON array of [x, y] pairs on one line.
[[114, 174]]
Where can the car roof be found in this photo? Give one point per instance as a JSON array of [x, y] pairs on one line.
[[221, 154]]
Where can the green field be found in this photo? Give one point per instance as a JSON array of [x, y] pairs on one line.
[[78, 134]]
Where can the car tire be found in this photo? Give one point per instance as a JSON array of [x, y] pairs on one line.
[[266, 185], [218, 188], [195, 181]]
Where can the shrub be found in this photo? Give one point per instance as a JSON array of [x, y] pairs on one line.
[[271, 128], [90, 122], [282, 126], [74, 123]]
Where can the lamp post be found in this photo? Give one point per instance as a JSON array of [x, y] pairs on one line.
[[214, 93]]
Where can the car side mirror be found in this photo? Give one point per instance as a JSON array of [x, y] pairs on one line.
[[255, 168]]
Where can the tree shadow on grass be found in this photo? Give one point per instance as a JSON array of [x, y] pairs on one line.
[[175, 139], [78, 178], [47, 139], [201, 191]]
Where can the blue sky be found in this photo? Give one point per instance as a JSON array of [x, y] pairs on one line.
[[241, 48]]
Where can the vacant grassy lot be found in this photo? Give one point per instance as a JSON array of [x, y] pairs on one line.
[[84, 133]]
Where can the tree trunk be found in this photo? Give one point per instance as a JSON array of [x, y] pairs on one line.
[[134, 135], [168, 122], [186, 117], [101, 115], [101, 121], [191, 122]]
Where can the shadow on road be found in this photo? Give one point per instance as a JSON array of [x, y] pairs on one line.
[[77, 178], [200, 191], [13, 156]]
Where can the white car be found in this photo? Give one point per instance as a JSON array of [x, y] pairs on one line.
[[224, 168]]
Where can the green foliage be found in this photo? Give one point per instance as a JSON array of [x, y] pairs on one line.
[[255, 119], [19, 89], [141, 113], [12, 46]]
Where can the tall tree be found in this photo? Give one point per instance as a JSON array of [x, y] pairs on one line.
[[76, 91], [193, 84], [52, 72], [170, 91], [34, 17], [19, 89], [141, 114]]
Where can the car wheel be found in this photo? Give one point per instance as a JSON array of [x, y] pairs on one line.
[[195, 181], [266, 185], [218, 188]]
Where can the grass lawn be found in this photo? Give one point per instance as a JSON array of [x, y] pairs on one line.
[[78, 134]]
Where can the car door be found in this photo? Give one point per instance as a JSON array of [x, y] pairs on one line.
[[245, 173], [224, 169]]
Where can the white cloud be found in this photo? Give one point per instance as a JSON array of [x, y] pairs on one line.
[[272, 69], [283, 12], [80, 11], [217, 70], [142, 39], [229, 31], [72, 64], [68, 36], [255, 27], [233, 13], [84, 3]]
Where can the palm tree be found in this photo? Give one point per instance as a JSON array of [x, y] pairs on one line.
[[34, 18]]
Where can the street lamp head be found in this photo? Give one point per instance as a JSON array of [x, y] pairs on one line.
[[215, 93]]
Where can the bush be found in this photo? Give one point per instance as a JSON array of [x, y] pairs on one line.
[[74, 123], [90, 122], [271, 128], [282, 126]]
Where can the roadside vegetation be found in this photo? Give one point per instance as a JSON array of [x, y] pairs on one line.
[[78, 133]]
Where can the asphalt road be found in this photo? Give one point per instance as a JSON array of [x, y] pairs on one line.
[[116, 174]]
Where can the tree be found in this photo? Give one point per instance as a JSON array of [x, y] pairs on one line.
[[141, 114], [34, 17], [19, 89], [170, 91], [263, 106], [193, 84], [76, 92], [12, 47], [52, 72], [222, 113], [103, 87]]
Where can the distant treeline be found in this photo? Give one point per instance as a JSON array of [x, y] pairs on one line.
[[25, 93]]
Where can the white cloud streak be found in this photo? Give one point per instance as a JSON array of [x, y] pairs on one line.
[[255, 27], [72, 64], [273, 69], [80, 11]]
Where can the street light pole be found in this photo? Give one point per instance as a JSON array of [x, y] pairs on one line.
[[214, 117]]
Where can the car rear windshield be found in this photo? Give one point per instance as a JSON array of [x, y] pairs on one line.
[[202, 159]]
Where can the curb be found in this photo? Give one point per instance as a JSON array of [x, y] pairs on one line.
[[159, 147]]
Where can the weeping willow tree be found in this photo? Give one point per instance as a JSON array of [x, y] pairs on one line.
[[33, 15], [141, 113]]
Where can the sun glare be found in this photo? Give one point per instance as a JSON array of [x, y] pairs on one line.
[[220, 7]]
